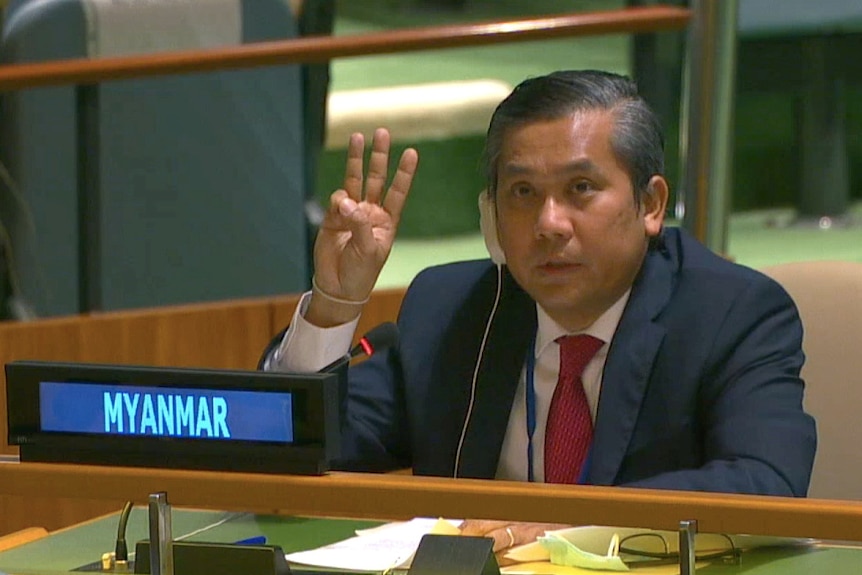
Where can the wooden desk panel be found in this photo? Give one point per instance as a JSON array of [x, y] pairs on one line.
[[383, 306], [400, 497], [51, 513], [229, 336]]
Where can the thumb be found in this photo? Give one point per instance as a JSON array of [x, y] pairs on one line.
[[359, 222]]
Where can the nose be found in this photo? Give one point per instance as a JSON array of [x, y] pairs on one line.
[[553, 220]]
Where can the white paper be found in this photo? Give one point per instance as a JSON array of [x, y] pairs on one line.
[[377, 549]]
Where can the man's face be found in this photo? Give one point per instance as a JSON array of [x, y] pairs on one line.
[[573, 236]]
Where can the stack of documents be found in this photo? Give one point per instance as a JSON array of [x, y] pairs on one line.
[[379, 549]]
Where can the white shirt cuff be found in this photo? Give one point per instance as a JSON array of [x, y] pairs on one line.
[[307, 348]]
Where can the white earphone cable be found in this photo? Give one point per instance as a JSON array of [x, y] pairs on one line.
[[476, 369]]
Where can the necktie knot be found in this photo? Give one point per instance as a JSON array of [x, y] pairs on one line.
[[576, 351]]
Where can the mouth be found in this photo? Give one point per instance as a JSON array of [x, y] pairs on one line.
[[558, 267]]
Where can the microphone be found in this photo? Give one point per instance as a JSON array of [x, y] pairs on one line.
[[380, 337]]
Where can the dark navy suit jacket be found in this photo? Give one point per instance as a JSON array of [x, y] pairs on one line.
[[700, 391]]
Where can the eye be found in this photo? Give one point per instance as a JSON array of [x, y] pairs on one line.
[[582, 187], [521, 191]]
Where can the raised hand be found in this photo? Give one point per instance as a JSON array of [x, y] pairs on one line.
[[358, 231]]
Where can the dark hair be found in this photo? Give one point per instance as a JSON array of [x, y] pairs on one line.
[[637, 139]]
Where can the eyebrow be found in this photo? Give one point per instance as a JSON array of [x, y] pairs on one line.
[[577, 166]]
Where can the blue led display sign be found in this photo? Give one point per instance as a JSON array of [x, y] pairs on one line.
[[173, 417], [106, 409]]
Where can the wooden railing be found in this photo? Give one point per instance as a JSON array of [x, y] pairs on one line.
[[321, 49]]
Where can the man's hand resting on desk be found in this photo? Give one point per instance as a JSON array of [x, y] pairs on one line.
[[507, 534]]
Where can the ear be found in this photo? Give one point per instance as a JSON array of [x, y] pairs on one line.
[[654, 205], [488, 225]]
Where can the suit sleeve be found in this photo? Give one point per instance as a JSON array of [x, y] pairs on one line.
[[756, 436], [376, 425]]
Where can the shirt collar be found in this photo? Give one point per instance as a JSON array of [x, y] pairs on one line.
[[603, 328]]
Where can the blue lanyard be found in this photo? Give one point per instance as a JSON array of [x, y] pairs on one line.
[[531, 407], [530, 401]]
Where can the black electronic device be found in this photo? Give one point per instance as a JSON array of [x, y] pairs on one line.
[[173, 417], [191, 558], [454, 555]]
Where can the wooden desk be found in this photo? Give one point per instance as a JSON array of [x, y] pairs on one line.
[[401, 497]]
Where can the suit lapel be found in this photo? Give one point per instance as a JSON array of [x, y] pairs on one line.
[[629, 364], [503, 358]]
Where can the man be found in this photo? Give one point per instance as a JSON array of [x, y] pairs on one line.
[[692, 381]]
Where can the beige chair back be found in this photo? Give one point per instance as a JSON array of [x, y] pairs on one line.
[[829, 297]]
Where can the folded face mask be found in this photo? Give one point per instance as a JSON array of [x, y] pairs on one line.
[[564, 552]]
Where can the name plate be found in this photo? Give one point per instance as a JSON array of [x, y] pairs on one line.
[[180, 418]]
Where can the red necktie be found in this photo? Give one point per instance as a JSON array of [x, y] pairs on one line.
[[569, 431]]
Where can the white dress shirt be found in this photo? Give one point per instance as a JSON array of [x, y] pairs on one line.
[[307, 348], [513, 455]]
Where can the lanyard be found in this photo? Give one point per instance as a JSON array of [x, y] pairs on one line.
[[530, 401], [531, 407]]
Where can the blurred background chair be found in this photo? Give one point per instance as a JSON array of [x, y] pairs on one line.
[[163, 190], [829, 297]]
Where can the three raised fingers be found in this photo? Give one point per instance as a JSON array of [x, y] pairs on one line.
[[372, 188]]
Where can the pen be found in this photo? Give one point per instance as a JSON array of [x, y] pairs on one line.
[[258, 540]]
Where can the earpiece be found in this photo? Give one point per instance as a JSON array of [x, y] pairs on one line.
[[488, 225]]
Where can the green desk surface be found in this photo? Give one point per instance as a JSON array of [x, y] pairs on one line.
[[814, 561], [65, 550]]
